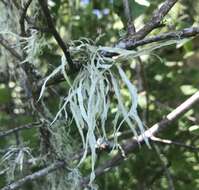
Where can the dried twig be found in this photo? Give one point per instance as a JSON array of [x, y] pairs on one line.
[[62, 44]]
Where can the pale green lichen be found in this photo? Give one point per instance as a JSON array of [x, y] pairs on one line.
[[89, 102], [88, 97]]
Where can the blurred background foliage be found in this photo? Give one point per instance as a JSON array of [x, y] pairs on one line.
[[171, 75]]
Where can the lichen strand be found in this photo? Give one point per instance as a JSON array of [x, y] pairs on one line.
[[89, 102]]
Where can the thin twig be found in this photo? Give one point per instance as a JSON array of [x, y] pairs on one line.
[[27, 126], [62, 44], [33, 176], [170, 142], [23, 16], [128, 15], [156, 19], [32, 25], [176, 35], [142, 86]]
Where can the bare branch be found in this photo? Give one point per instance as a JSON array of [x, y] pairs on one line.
[[131, 44], [131, 144], [34, 176], [33, 25], [44, 6], [170, 142], [23, 16], [185, 33], [156, 19], [142, 86], [28, 126], [128, 15]]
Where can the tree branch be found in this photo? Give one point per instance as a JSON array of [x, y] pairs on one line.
[[131, 44], [156, 19], [131, 144], [44, 6], [34, 176], [23, 16], [170, 142], [33, 25], [128, 15], [28, 126], [185, 33]]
